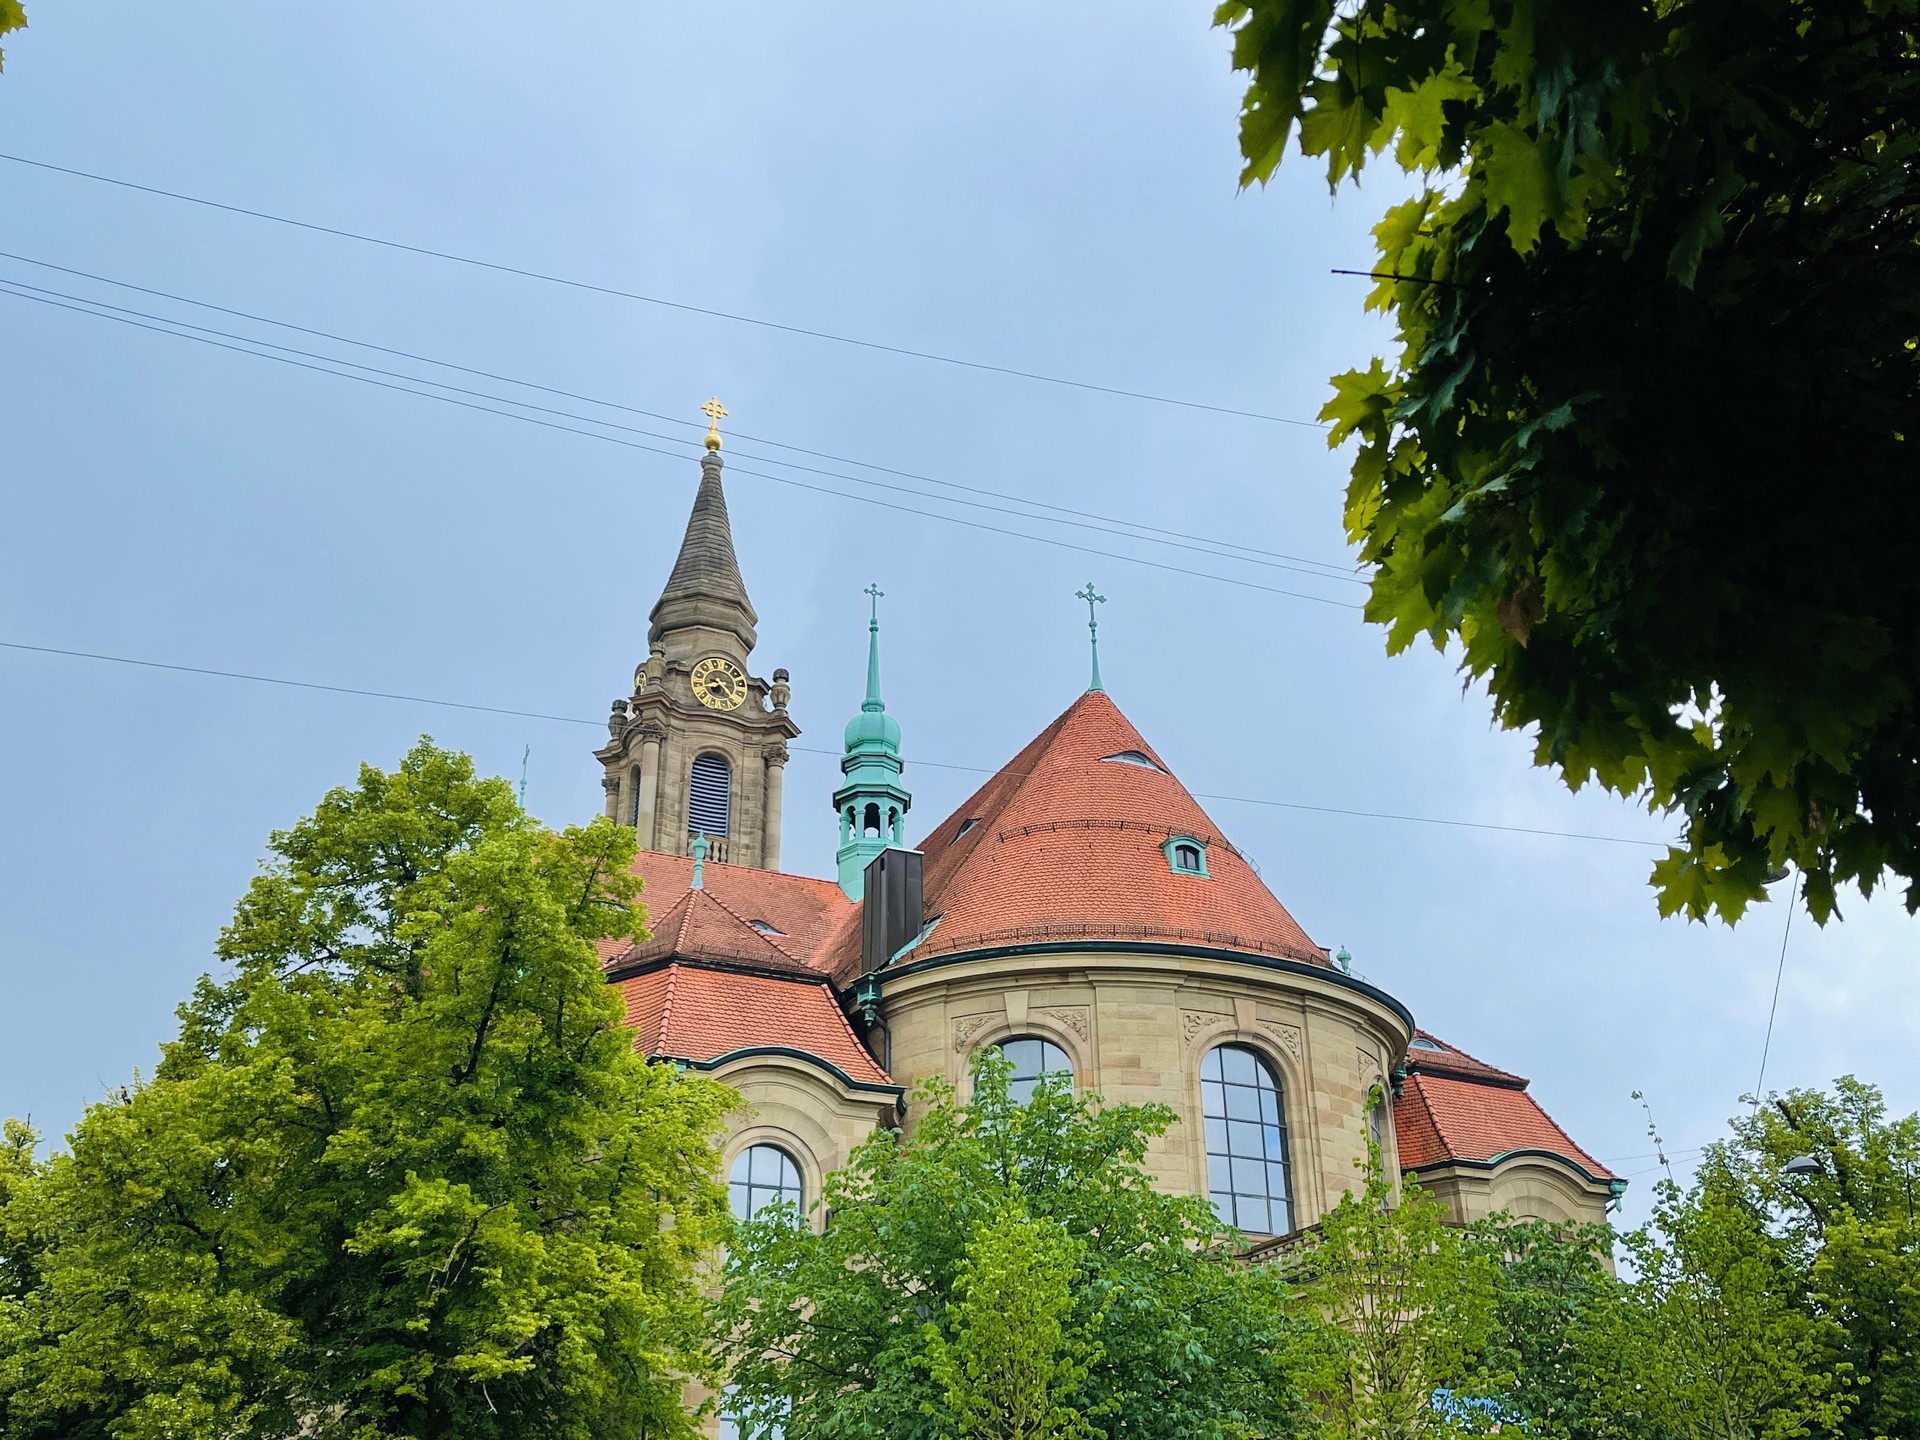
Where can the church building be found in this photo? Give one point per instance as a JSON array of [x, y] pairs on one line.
[[1080, 910]]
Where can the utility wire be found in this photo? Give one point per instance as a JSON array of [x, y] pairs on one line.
[[18, 291], [1342, 571], [802, 749], [1766, 1046], [691, 445], [658, 300]]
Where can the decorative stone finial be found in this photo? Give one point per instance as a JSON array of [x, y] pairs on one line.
[[781, 692], [1093, 629], [715, 413], [617, 719]]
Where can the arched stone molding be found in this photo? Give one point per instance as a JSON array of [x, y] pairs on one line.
[[802, 1105], [1297, 1109], [1527, 1184], [1045, 1020]]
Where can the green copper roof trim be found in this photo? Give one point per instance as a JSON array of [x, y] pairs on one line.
[[750, 1052], [1529, 1153], [1136, 947]]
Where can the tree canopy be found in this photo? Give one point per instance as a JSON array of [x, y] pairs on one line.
[[401, 1174], [1006, 1270], [1658, 306]]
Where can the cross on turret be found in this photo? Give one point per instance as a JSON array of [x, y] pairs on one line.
[[1093, 598]]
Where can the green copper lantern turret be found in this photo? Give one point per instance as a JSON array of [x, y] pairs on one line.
[[872, 804]]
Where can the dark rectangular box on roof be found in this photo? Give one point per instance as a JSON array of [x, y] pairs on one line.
[[890, 913]]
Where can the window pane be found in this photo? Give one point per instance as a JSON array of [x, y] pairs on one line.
[[1032, 1058], [1223, 1206], [1243, 1138], [762, 1175], [1246, 1140]]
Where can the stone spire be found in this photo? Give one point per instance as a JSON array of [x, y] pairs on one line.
[[873, 804], [705, 589]]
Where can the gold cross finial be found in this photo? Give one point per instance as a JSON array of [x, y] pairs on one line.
[[715, 413]]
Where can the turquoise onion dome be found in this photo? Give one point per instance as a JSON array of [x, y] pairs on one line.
[[873, 729]]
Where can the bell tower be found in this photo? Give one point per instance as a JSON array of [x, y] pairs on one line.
[[699, 746]]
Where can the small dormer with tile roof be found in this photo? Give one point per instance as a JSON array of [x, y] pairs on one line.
[[699, 746]]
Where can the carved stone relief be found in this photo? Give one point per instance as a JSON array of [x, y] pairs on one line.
[[968, 1026], [1193, 1022], [1074, 1017]]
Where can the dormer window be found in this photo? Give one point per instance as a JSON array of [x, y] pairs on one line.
[[765, 928], [1186, 855], [965, 826], [1420, 1042], [1135, 757]]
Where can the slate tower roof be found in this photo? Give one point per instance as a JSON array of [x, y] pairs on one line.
[[705, 587]]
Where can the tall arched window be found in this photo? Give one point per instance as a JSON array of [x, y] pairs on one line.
[[763, 1175], [709, 796], [1246, 1141], [1033, 1060]]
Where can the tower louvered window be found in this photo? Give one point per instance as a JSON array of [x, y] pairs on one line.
[[709, 796]]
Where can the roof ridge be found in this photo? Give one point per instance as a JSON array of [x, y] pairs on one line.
[[666, 1006]]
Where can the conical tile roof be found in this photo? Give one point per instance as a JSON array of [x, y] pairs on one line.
[[1067, 844], [705, 587]]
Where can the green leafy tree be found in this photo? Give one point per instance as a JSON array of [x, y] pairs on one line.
[[1657, 304], [1399, 1305], [1709, 1340], [401, 1174], [1552, 1283], [826, 1332], [1848, 1232], [1014, 1356]]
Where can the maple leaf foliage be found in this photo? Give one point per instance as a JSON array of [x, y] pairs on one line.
[[1645, 460]]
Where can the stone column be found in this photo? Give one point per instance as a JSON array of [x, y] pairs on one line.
[[776, 777], [643, 820], [610, 782]]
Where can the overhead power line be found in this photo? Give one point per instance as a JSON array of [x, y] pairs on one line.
[[1137, 532], [613, 291], [100, 310], [207, 671], [1226, 548]]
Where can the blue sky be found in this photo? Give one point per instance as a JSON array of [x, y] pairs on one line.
[[1045, 188]]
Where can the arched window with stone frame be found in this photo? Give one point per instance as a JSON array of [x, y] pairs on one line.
[[1243, 1109]]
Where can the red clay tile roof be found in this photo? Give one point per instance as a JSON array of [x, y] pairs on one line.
[[1454, 1107], [804, 911], [699, 926], [1065, 844], [1452, 1060], [696, 1012]]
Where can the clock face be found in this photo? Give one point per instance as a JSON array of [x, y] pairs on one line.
[[719, 684]]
